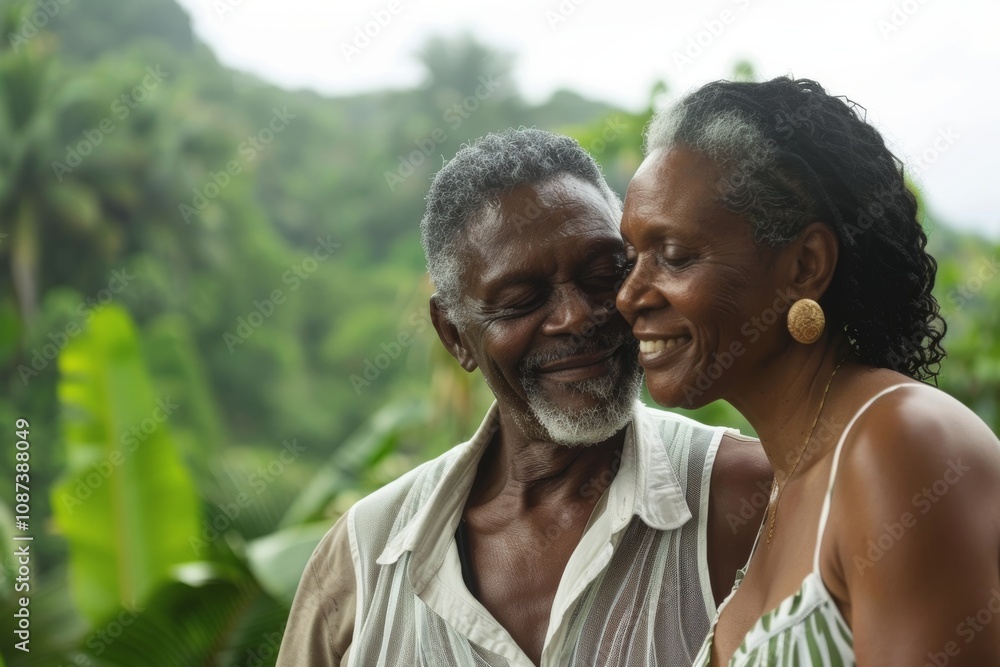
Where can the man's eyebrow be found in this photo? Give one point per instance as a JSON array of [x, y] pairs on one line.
[[499, 284], [608, 246]]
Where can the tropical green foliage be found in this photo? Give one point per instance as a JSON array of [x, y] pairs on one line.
[[214, 317], [124, 539]]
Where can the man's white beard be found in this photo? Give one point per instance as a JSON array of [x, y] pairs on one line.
[[616, 394]]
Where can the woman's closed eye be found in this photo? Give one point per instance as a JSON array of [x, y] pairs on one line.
[[676, 257]]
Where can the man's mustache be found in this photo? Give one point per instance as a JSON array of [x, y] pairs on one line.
[[599, 343]]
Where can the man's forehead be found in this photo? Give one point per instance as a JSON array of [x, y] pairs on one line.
[[534, 200], [565, 205], [501, 247], [554, 225]]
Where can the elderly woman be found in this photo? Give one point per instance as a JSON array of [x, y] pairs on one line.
[[776, 262]]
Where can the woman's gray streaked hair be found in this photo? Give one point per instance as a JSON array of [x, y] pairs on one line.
[[789, 154], [750, 183], [471, 183]]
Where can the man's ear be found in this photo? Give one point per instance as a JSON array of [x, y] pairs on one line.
[[450, 336], [814, 260]]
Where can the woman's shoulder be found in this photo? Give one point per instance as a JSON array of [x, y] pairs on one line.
[[914, 519], [912, 445], [919, 423]]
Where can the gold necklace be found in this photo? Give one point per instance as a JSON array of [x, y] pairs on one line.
[[776, 490]]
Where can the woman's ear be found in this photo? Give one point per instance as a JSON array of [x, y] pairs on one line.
[[815, 259], [450, 336]]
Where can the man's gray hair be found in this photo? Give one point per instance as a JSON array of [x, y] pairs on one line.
[[471, 184]]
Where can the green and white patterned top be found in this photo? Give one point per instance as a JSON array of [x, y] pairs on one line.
[[807, 628]]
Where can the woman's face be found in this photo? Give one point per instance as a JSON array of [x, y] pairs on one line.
[[702, 297]]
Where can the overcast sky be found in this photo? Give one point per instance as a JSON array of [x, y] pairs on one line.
[[927, 71]]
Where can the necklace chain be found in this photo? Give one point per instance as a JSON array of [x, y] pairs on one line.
[[775, 489]]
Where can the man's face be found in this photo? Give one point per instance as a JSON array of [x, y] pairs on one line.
[[542, 272]]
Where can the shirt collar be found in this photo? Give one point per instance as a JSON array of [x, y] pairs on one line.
[[645, 485], [432, 529]]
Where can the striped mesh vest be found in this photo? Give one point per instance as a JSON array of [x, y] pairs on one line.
[[647, 602]]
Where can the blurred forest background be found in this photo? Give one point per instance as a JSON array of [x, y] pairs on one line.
[[213, 317]]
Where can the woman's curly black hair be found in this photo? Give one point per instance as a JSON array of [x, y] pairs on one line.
[[792, 154]]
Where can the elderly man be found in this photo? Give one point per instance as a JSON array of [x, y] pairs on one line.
[[576, 527]]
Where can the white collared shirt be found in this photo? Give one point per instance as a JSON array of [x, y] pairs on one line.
[[635, 590]]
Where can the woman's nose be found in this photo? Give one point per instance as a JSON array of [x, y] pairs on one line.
[[637, 292]]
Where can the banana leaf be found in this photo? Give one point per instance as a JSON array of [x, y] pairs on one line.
[[126, 504]]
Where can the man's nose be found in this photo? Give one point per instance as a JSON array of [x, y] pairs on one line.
[[577, 313]]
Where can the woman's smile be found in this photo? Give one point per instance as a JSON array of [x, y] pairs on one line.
[[656, 352]]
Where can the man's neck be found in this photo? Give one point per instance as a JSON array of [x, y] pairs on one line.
[[524, 472], [528, 508]]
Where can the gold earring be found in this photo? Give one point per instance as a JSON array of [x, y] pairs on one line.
[[806, 321]]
